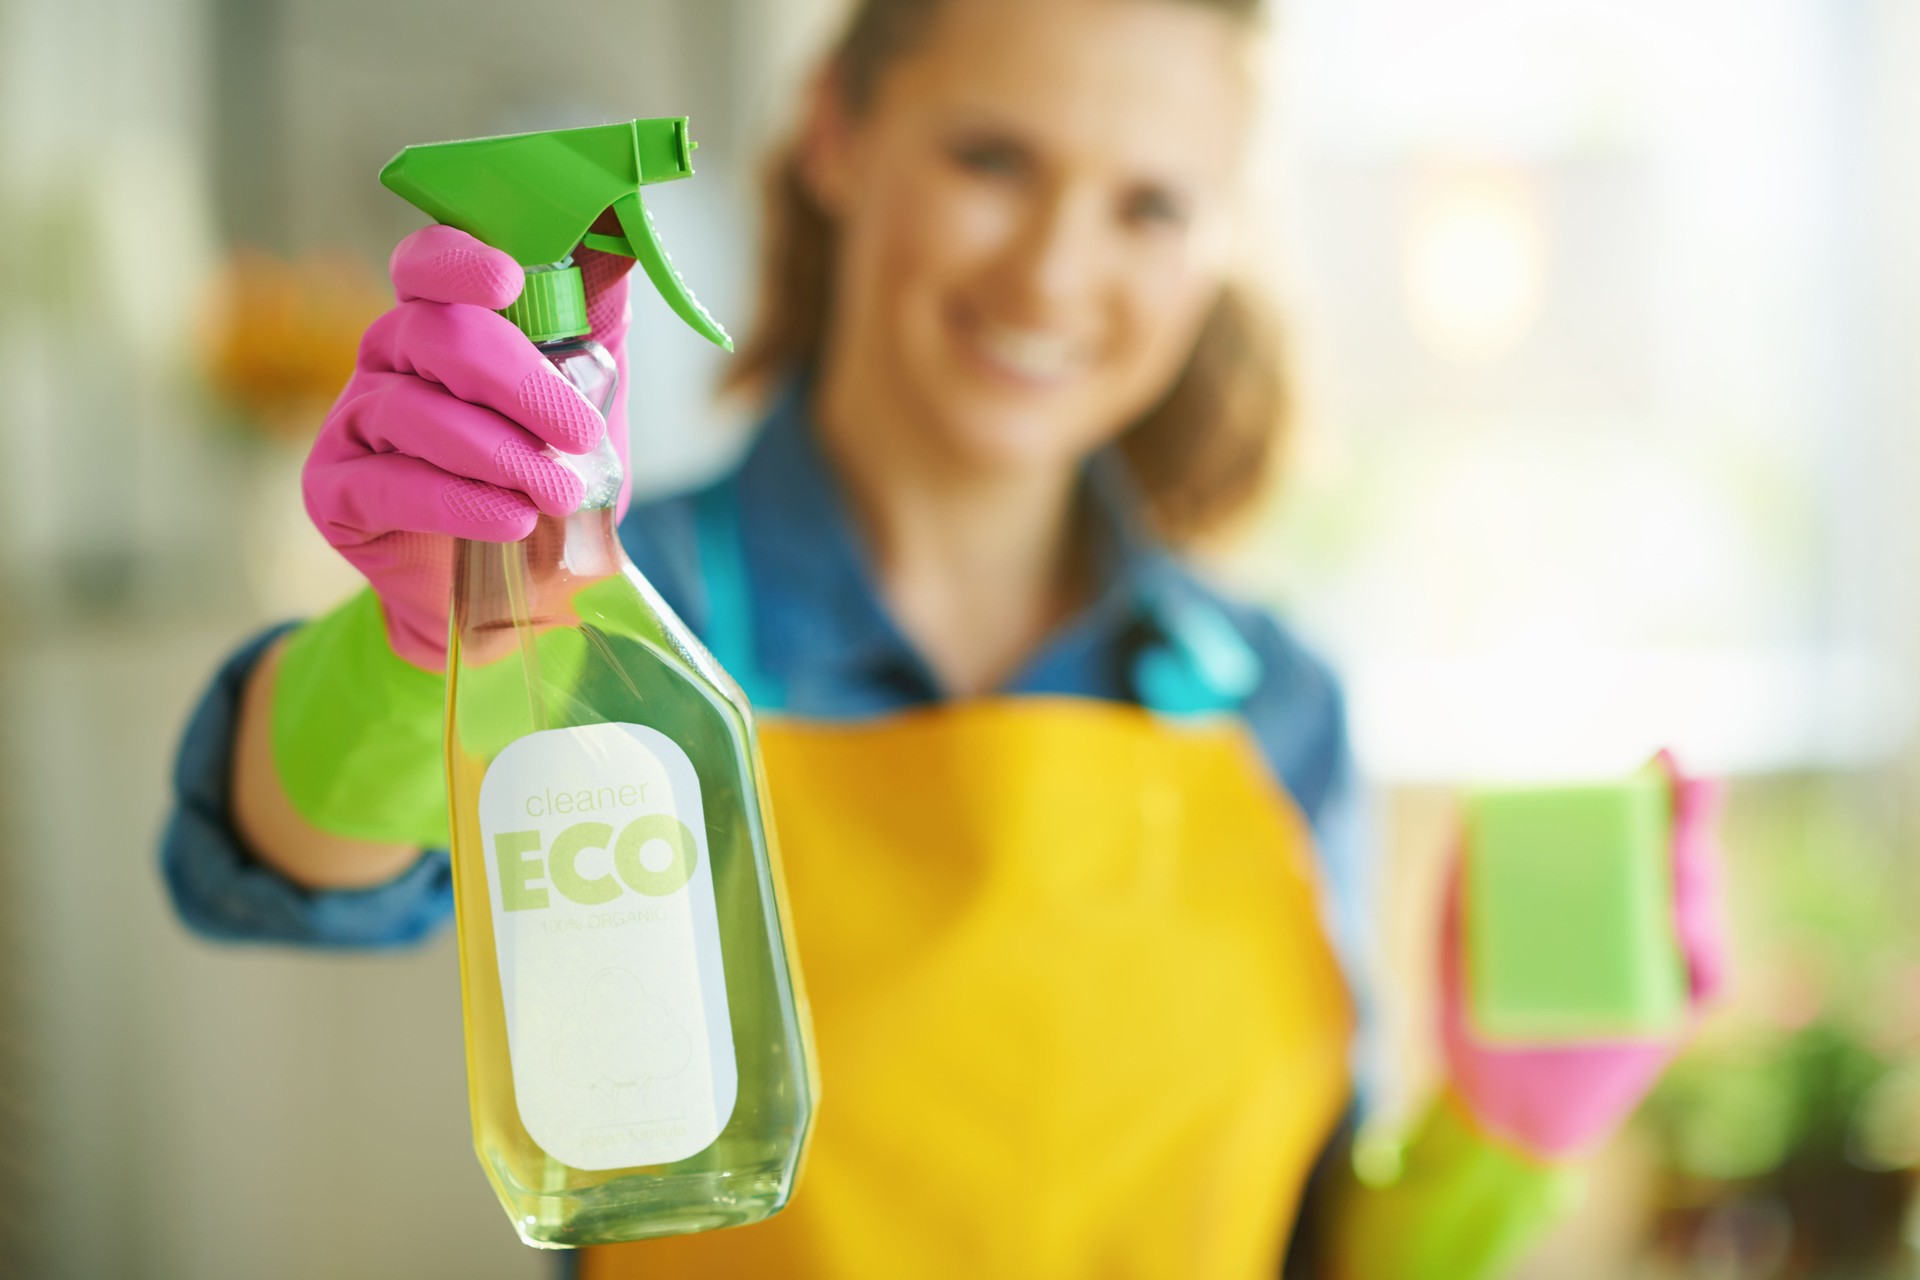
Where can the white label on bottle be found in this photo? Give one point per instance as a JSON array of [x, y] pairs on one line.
[[609, 946]]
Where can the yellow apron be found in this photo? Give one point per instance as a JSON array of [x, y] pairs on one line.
[[1075, 1012]]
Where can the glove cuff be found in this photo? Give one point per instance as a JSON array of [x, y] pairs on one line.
[[357, 731], [1463, 1204]]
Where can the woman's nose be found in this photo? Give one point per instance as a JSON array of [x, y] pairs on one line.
[[1062, 252]]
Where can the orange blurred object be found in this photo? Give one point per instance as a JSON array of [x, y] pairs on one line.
[[278, 338]]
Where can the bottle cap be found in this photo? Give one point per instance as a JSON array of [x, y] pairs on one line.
[[553, 305]]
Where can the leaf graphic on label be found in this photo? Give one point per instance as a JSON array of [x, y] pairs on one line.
[[620, 1035]]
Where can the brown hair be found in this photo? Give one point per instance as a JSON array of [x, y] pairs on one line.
[[1201, 456]]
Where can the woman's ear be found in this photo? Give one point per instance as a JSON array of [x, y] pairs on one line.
[[827, 158]]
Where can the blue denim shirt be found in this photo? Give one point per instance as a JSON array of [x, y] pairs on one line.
[[821, 637]]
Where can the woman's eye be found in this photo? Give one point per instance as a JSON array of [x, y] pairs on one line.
[[990, 156], [1151, 206]]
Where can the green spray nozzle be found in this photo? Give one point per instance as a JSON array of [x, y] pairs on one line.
[[537, 195]]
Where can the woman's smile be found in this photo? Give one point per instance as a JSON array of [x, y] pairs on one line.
[[1023, 357]]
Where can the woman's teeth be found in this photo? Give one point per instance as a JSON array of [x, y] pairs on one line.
[[1031, 353]]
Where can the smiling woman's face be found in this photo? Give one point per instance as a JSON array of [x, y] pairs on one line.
[[1033, 216]]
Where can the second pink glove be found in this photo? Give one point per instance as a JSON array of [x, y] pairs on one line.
[[1558, 1101]]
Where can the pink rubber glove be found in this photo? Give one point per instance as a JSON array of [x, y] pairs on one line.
[[447, 426], [1556, 1102]]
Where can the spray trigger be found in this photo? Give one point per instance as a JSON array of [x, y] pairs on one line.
[[641, 241]]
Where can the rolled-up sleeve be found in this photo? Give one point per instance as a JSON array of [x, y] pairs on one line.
[[221, 890]]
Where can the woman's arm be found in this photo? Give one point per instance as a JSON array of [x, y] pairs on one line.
[[311, 792], [1497, 1159], [265, 819], [223, 889]]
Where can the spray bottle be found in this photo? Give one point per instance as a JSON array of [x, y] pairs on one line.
[[639, 1060]]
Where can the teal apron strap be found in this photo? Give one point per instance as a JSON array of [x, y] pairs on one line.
[[1204, 667], [729, 634]]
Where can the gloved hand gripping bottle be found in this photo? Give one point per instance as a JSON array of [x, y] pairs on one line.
[[638, 1054]]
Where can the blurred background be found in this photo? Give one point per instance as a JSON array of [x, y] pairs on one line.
[[1609, 321]]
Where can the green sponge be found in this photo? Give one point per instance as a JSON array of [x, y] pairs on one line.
[[1568, 913]]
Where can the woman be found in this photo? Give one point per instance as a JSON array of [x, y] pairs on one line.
[[1077, 993]]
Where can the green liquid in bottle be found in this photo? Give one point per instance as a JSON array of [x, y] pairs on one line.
[[610, 841]]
